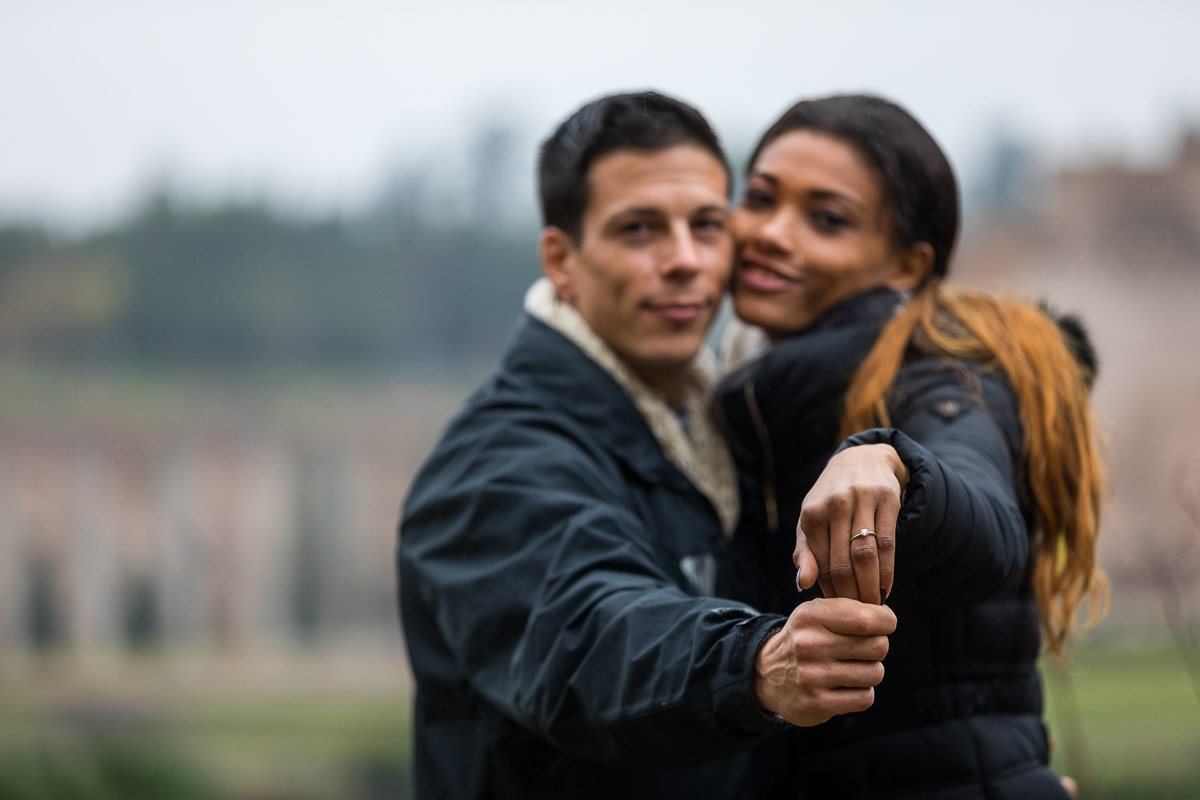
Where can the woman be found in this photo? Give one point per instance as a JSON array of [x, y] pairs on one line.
[[880, 380]]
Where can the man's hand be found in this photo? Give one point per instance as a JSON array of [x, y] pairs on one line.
[[859, 490], [825, 660]]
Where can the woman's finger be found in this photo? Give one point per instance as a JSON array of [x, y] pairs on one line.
[[841, 568], [805, 561], [864, 557], [886, 515], [814, 527]]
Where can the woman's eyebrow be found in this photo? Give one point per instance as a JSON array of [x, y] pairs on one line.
[[766, 176], [833, 194]]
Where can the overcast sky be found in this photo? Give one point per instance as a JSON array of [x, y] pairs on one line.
[[315, 101]]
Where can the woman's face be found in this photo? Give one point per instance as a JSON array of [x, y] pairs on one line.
[[812, 230]]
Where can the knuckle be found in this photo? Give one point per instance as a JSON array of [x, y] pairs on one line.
[[862, 553], [881, 648], [868, 621], [841, 570], [885, 541], [858, 701], [802, 616], [809, 518], [801, 676], [865, 491], [840, 502], [883, 495], [856, 620], [876, 674]]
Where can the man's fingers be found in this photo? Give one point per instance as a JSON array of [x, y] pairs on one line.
[[855, 674], [828, 703], [861, 648], [826, 661], [849, 617]]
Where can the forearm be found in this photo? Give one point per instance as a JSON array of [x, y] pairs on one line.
[[580, 636], [640, 673]]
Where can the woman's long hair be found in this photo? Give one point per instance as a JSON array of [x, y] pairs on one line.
[[1060, 459]]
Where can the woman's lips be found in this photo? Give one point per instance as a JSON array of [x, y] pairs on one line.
[[760, 277]]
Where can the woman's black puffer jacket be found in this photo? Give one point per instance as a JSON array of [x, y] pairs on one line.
[[959, 712]]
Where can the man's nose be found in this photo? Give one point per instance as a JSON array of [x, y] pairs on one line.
[[685, 251]]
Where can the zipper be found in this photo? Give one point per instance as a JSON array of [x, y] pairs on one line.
[[768, 468]]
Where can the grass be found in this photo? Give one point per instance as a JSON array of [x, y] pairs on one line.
[[207, 728], [1126, 720]]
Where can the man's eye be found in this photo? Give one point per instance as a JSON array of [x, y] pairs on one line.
[[635, 229], [713, 225]]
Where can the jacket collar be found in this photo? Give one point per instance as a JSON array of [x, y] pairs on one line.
[[698, 452], [797, 386], [872, 306]]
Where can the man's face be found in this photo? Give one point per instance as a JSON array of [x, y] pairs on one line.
[[654, 257]]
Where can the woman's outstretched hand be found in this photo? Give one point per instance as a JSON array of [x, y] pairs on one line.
[[859, 490]]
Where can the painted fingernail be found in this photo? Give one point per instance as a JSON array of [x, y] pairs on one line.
[[799, 588], [882, 594]]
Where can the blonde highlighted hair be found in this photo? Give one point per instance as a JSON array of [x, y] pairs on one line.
[[1060, 456]]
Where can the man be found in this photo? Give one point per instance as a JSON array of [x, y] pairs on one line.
[[564, 549]]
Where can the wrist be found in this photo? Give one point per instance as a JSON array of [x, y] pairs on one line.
[[764, 661], [898, 467]]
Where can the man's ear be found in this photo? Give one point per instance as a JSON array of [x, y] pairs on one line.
[[912, 266], [556, 251]]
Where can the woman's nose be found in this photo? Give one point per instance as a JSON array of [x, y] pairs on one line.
[[777, 232]]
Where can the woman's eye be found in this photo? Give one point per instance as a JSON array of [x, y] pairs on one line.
[[829, 220], [757, 199]]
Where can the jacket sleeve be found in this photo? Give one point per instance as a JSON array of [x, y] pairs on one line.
[[961, 532], [523, 547]]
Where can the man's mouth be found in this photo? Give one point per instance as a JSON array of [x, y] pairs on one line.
[[680, 311]]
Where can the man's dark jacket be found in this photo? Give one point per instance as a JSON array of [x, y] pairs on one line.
[[552, 563], [958, 714]]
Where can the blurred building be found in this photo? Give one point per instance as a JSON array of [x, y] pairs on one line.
[[1120, 246], [220, 535], [237, 533]]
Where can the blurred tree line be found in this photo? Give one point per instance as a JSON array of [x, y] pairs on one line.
[[430, 273], [400, 282]]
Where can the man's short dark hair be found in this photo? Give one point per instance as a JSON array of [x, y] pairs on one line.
[[630, 121]]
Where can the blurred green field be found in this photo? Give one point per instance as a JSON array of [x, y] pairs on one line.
[[1126, 719], [203, 728], [159, 727]]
